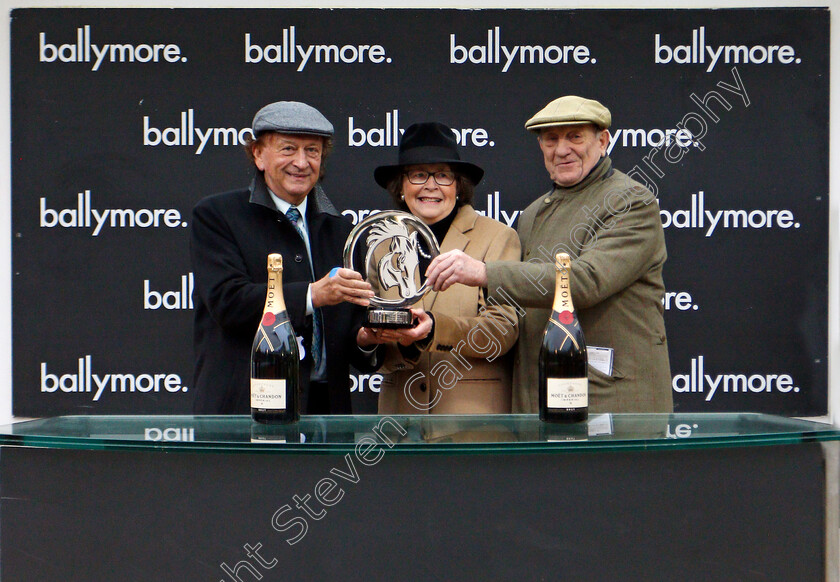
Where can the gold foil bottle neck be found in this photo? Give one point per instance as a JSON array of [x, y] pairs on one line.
[[564, 261], [562, 287], [274, 301], [275, 262]]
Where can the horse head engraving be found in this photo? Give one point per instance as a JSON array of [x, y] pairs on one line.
[[397, 267]]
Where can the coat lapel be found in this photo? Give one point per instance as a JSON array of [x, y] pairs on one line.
[[454, 239]]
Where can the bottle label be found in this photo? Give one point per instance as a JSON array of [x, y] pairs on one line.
[[268, 394], [568, 393]]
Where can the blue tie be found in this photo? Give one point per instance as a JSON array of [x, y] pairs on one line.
[[293, 214]]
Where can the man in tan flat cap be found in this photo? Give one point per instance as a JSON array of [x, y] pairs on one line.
[[609, 224]]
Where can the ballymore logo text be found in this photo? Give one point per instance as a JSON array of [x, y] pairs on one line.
[[84, 380], [84, 50]]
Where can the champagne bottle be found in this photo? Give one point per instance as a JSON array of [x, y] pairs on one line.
[[275, 360], [563, 387]]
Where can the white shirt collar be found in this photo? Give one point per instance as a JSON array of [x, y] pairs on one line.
[[283, 206]]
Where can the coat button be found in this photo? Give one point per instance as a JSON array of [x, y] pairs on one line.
[[423, 387], [547, 200], [298, 258]]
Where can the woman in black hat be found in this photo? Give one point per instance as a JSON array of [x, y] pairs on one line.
[[454, 360]]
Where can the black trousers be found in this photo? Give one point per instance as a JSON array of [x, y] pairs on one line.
[[318, 402]]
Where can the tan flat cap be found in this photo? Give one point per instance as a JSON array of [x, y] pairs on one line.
[[570, 110]]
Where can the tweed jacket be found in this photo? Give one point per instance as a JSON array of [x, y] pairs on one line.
[[231, 236], [610, 226], [465, 367]]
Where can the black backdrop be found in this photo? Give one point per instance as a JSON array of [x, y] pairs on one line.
[[137, 113]]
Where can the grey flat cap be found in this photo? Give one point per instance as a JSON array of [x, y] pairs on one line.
[[291, 117], [570, 110]]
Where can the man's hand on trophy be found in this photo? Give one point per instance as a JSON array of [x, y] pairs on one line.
[[341, 285], [455, 267]]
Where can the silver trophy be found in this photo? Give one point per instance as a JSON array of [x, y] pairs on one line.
[[391, 250]]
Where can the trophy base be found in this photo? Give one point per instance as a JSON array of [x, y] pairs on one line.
[[389, 318]]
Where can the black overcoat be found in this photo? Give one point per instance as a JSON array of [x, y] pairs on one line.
[[232, 234]]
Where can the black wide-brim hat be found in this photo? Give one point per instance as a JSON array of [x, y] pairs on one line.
[[428, 143]]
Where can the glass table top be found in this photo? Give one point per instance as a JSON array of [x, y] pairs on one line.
[[427, 434]]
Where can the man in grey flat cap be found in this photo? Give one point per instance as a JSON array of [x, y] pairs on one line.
[[286, 211], [610, 226]]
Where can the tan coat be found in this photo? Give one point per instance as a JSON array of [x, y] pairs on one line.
[[465, 368], [610, 226]]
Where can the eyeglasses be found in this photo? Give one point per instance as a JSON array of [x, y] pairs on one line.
[[420, 177]]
